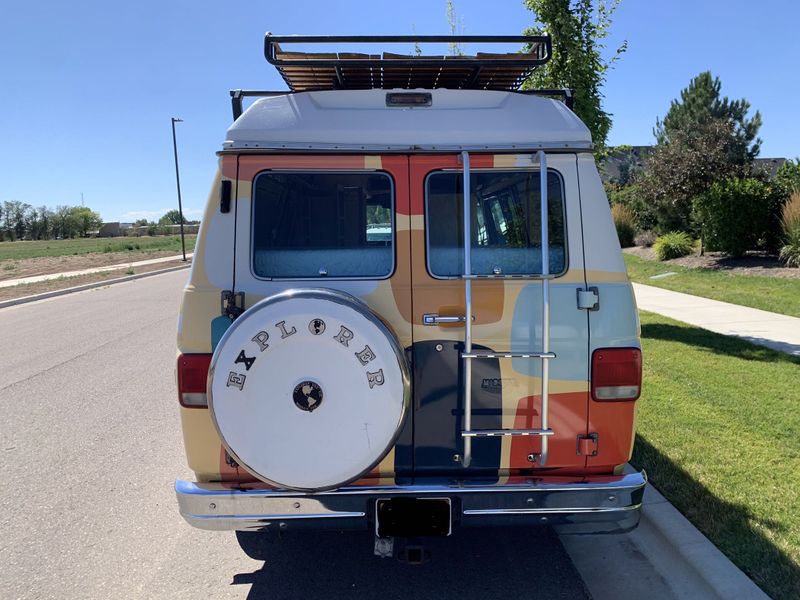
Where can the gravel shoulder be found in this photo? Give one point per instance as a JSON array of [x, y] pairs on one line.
[[29, 289], [45, 265]]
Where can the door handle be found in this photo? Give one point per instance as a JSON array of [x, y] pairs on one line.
[[434, 319]]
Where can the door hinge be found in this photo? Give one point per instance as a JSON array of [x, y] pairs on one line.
[[586, 445], [231, 304], [589, 299]]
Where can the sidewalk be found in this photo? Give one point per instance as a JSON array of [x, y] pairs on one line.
[[772, 330], [38, 278]]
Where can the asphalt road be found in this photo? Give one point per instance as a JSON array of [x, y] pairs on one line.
[[90, 445]]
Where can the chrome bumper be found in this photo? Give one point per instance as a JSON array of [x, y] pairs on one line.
[[596, 504]]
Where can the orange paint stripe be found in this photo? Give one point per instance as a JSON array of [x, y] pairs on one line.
[[251, 165]]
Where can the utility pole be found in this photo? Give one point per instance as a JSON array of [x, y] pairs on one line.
[[178, 180]]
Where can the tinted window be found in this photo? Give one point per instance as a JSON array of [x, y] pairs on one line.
[[323, 224], [506, 224]]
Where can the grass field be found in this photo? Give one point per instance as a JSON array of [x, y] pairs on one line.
[[719, 435], [767, 293], [24, 249]]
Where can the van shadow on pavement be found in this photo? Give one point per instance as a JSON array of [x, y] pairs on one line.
[[472, 563]]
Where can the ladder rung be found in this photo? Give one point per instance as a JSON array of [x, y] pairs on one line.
[[504, 432], [508, 355]]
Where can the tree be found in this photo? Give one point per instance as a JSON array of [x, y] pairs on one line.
[[686, 167], [173, 217], [84, 220], [45, 223], [700, 103], [15, 219], [578, 29], [456, 26], [33, 224], [63, 224], [703, 139]]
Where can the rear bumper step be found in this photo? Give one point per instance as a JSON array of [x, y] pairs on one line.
[[595, 504]]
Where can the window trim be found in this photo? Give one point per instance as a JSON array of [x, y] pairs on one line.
[[488, 276], [393, 197]]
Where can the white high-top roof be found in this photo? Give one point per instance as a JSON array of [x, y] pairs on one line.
[[354, 120]]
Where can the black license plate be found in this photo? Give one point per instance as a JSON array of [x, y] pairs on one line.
[[413, 517]]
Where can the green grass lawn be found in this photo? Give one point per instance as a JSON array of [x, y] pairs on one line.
[[719, 435], [26, 249], [767, 293]]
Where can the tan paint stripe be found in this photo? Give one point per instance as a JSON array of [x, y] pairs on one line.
[[373, 162], [514, 160]]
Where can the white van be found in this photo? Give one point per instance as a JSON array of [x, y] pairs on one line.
[[347, 361]]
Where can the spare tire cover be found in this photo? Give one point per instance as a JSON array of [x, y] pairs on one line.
[[308, 389]]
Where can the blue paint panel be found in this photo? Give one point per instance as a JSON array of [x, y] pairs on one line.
[[569, 332], [616, 324], [219, 326]]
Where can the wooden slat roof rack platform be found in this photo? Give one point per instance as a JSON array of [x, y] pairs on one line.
[[323, 71], [314, 71]]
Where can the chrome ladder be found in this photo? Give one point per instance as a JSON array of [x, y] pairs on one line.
[[468, 355]]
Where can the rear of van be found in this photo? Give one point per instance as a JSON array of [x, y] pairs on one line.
[[345, 357]]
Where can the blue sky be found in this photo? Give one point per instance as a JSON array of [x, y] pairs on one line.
[[88, 88]]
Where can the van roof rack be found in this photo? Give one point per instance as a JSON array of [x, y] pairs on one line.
[[313, 71]]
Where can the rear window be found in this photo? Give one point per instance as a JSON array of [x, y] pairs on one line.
[[506, 223], [323, 225]]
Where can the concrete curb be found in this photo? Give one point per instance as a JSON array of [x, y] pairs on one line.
[[665, 557], [87, 286]]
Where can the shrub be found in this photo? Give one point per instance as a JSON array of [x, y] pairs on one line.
[[625, 222], [645, 238], [790, 220], [788, 176], [673, 245], [734, 215], [631, 197]]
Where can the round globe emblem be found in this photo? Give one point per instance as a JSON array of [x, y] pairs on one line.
[[307, 396]]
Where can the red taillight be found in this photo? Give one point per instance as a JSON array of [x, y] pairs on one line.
[[192, 377], [616, 374]]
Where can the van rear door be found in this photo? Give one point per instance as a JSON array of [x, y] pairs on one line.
[[330, 221], [507, 311]]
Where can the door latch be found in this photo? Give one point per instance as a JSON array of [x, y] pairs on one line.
[[586, 445], [231, 304], [589, 299], [434, 319]]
